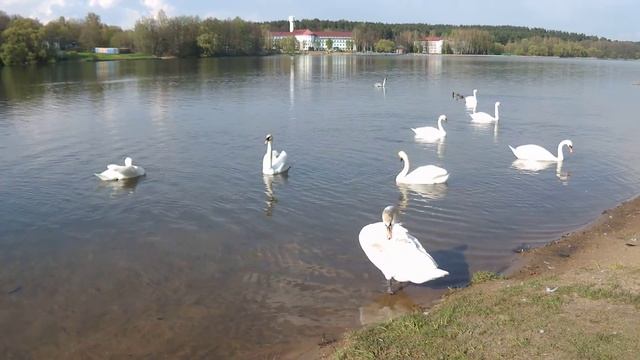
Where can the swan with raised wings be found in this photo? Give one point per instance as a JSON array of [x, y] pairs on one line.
[[430, 133], [538, 153], [121, 172], [428, 174], [395, 252], [274, 162], [471, 101], [484, 118]]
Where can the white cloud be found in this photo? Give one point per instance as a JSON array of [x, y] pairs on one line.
[[105, 4], [156, 5]]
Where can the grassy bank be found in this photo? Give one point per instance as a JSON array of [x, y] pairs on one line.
[[89, 56], [578, 298]]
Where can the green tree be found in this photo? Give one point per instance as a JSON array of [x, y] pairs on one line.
[[349, 45], [22, 43], [289, 45], [385, 46], [209, 44], [328, 44], [91, 32]]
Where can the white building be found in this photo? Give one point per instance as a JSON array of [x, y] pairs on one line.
[[431, 45], [316, 40]]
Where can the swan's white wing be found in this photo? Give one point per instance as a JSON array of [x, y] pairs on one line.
[[427, 132], [533, 152], [470, 101], [402, 257], [280, 162], [481, 117], [114, 167], [108, 175], [374, 243], [428, 174]]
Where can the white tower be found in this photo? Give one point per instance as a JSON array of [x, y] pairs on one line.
[[291, 24]]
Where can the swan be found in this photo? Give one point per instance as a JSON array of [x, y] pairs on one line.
[[483, 117], [430, 133], [381, 84], [273, 163], [120, 172], [471, 101], [538, 153], [429, 174], [396, 253]]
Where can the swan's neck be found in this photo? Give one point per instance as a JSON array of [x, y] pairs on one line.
[[560, 153], [440, 126], [405, 169], [270, 153], [475, 92], [497, 113], [384, 82]]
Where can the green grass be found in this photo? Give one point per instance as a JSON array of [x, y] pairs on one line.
[[514, 319], [482, 276], [89, 56]]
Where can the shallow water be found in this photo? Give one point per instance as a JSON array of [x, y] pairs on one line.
[[206, 257]]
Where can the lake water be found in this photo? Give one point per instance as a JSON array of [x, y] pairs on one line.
[[204, 257]]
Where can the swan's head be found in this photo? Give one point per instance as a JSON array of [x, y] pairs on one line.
[[388, 218], [268, 138], [475, 91], [497, 103], [403, 155], [128, 161], [569, 144], [442, 118]]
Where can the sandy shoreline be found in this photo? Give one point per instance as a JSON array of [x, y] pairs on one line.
[[595, 254]]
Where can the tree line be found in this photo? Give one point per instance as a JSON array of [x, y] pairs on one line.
[[25, 40]]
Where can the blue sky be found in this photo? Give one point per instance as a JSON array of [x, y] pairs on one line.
[[615, 19]]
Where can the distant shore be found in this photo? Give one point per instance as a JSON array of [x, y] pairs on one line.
[[577, 297]]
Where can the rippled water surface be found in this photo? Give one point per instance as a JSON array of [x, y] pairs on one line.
[[205, 257]]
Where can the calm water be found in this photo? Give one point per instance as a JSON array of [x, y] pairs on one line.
[[205, 257]]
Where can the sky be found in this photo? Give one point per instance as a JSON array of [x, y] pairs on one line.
[[615, 19]]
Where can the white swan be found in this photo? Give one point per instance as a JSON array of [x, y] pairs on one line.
[[471, 101], [430, 133], [381, 84], [483, 117], [538, 153], [398, 254], [273, 163], [120, 172], [429, 174]]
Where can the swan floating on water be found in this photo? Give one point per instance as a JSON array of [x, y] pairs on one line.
[[538, 153], [381, 84], [398, 254], [483, 117], [430, 133], [429, 174], [471, 101], [121, 172], [273, 162]]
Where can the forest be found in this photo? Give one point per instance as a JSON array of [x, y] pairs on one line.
[[25, 40]]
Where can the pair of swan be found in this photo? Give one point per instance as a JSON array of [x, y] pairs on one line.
[[121, 172], [531, 152], [274, 162], [381, 84], [398, 254]]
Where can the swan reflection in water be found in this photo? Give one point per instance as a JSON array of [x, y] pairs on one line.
[[271, 199], [428, 192], [439, 144], [485, 128], [121, 187], [385, 308], [535, 166]]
